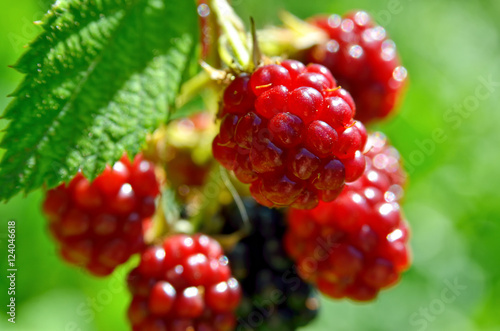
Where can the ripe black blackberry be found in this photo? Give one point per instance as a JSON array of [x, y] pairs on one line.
[[274, 297]]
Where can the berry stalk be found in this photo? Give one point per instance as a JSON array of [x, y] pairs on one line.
[[233, 33]]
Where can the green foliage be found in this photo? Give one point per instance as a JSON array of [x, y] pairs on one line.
[[100, 76]]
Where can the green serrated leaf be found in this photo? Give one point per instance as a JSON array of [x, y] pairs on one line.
[[101, 75]]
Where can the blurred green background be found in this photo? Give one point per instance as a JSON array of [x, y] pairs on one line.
[[452, 52]]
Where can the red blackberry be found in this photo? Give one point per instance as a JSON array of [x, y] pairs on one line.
[[288, 130], [183, 147], [99, 225], [384, 170], [184, 284], [363, 60], [187, 161], [356, 245]]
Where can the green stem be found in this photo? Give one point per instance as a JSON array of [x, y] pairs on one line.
[[296, 36], [192, 88], [230, 24], [256, 53], [211, 193], [237, 200], [228, 241], [224, 53]]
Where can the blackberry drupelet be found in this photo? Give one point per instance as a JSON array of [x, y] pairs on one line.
[[274, 297]]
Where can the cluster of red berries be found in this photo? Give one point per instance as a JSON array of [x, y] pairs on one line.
[[99, 225], [356, 245], [289, 131], [363, 60], [294, 135], [183, 284]]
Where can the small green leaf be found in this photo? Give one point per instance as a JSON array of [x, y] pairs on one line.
[[101, 75]]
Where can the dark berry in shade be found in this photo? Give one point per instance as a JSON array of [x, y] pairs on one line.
[[274, 297]]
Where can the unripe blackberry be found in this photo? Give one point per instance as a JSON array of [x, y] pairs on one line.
[[99, 225], [183, 284], [384, 170], [358, 244], [188, 159], [288, 130], [363, 60]]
